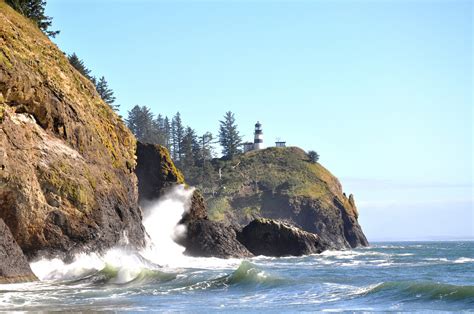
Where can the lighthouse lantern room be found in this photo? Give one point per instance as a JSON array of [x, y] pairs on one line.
[[258, 139]]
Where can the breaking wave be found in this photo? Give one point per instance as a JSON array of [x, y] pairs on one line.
[[424, 290], [161, 252]]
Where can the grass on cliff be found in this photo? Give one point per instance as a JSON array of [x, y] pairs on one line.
[[284, 171]]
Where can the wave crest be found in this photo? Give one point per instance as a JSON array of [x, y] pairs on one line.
[[424, 290]]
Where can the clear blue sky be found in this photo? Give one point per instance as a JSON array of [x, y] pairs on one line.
[[381, 89]]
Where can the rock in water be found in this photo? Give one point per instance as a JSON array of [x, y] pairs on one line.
[[13, 264], [66, 158], [206, 238], [157, 173], [273, 238]]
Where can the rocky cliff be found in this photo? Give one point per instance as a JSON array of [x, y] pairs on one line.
[[13, 264], [281, 183], [66, 159], [157, 173]]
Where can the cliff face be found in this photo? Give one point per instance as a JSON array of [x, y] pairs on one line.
[[157, 173], [66, 159], [281, 183], [13, 266]]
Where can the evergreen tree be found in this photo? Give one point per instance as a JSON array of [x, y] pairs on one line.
[[313, 156], [188, 152], [205, 147], [206, 176], [79, 65], [159, 129], [34, 10], [229, 136], [106, 93], [140, 122], [177, 131], [167, 132]]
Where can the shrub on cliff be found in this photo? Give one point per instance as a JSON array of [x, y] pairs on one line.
[[313, 156]]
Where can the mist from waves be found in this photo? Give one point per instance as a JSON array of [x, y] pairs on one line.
[[160, 220]]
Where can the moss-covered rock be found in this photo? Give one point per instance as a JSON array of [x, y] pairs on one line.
[[157, 173], [66, 158], [282, 183]]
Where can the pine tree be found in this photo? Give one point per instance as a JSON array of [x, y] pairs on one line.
[[188, 152], [160, 130], [79, 65], [229, 136], [106, 93], [206, 172], [177, 131], [140, 122], [34, 10], [167, 132]]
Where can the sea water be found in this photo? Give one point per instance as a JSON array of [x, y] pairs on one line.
[[394, 276]]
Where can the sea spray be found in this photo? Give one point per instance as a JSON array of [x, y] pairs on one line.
[[161, 218]]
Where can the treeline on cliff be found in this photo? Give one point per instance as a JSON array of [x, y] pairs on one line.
[[193, 153]]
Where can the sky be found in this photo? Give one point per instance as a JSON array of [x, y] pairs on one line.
[[382, 90]]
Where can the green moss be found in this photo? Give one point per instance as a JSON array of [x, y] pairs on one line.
[[250, 211], [5, 61], [90, 178], [2, 112], [64, 181], [168, 169], [217, 208]]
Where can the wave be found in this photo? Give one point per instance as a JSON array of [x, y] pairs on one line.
[[161, 252], [250, 274], [463, 260], [422, 291]]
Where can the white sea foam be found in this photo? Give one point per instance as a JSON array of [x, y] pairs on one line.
[[161, 224], [463, 260]]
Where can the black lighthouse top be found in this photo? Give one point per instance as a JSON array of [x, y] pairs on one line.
[[258, 128]]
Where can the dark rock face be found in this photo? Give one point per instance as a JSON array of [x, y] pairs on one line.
[[206, 238], [66, 159], [13, 264], [336, 224], [157, 173], [272, 238], [197, 209]]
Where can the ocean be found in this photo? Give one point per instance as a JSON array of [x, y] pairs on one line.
[[395, 276], [391, 276]]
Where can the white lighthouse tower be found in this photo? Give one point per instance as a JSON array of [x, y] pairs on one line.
[[258, 139]]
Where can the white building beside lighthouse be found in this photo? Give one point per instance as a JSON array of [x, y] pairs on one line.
[[258, 136]]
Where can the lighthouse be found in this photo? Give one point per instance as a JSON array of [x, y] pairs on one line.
[[258, 139]]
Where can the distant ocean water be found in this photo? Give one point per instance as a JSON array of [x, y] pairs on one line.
[[392, 276]]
